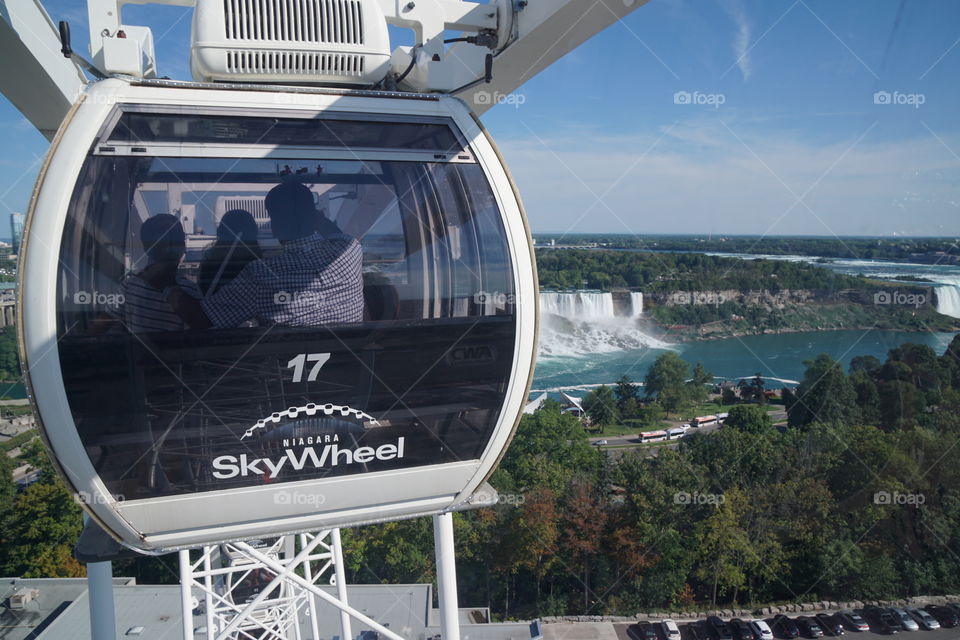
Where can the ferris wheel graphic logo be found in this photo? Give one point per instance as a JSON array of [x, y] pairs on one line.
[[310, 410]]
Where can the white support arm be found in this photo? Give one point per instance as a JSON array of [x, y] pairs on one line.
[[530, 35], [546, 31], [36, 78]]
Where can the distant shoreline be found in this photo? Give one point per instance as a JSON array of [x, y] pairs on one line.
[[666, 337]]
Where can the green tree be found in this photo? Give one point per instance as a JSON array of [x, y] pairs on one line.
[[825, 394], [666, 381], [625, 391], [9, 359], [728, 394], [753, 391], [548, 448], [39, 533], [868, 396], [722, 545], [390, 552], [899, 404], [583, 525], [698, 383], [652, 414], [867, 364], [532, 534], [601, 405], [749, 419]]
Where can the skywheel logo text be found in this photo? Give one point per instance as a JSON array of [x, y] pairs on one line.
[[312, 455], [331, 455]]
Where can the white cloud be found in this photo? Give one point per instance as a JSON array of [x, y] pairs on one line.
[[742, 37], [701, 178]]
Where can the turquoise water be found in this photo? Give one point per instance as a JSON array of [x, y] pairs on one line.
[[12, 391], [776, 356]]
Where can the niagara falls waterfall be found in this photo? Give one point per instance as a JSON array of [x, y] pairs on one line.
[[948, 300], [579, 323]]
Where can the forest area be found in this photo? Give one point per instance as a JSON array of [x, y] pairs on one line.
[[858, 497], [850, 248]]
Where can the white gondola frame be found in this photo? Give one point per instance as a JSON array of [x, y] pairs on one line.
[[164, 523]]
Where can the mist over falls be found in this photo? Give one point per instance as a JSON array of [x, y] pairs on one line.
[[579, 323]]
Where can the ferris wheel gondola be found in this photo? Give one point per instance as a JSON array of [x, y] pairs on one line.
[[248, 310]]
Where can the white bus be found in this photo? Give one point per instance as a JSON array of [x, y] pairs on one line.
[[653, 436]]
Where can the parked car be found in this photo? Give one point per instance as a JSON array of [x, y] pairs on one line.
[[643, 631], [809, 628], [742, 629], [785, 627], [906, 622], [853, 621], [830, 624], [924, 619], [761, 630], [697, 631], [670, 629], [720, 629], [946, 616], [882, 620]]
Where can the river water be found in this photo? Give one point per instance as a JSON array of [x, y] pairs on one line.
[[775, 356]]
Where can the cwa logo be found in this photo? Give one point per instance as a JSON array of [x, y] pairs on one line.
[[471, 354]]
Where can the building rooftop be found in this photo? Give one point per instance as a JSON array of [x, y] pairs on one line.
[[60, 611]]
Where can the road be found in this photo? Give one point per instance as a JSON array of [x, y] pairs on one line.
[[633, 440]]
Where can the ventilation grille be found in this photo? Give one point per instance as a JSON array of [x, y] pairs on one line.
[[254, 205], [324, 21], [292, 62]]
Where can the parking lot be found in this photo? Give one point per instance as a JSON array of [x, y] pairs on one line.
[[623, 633]]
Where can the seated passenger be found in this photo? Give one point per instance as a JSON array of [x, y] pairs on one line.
[[145, 307], [236, 245], [317, 278]]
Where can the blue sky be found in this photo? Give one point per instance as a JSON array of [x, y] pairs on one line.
[[701, 116]]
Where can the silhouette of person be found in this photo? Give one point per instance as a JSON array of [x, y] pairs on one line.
[[145, 307], [316, 279], [236, 246]]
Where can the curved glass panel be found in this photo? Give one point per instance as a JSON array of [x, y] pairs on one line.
[[218, 330]]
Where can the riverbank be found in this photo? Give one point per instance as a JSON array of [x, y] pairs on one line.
[[802, 318], [679, 338]]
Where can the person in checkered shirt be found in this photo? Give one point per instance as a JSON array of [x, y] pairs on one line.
[[317, 279]]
